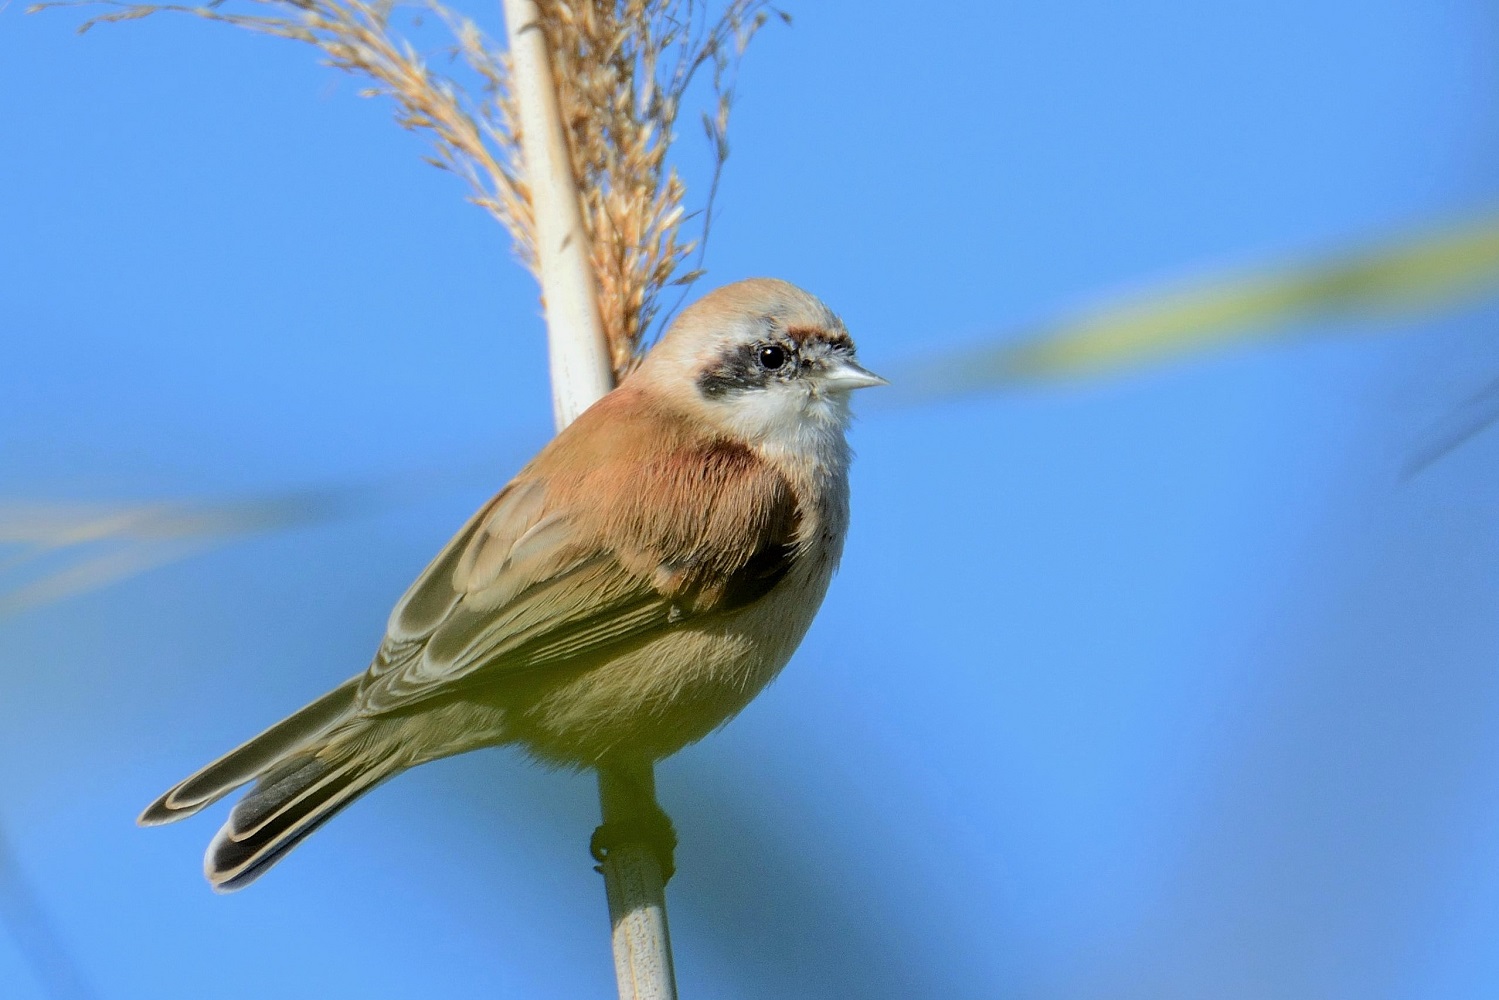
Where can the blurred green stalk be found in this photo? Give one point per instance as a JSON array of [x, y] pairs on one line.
[[1412, 273]]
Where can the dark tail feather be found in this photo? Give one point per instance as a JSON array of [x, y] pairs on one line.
[[288, 803], [251, 759]]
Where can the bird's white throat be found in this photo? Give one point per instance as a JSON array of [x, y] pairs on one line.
[[795, 422]]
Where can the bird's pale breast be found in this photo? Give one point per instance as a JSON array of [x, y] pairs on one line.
[[678, 687]]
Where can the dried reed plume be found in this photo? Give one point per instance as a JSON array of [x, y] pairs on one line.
[[622, 68]]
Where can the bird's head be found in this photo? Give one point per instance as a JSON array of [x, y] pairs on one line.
[[761, 360]]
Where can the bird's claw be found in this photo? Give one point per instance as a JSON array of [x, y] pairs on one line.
[[653, 831]]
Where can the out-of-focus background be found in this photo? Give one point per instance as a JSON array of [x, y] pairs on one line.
[[1169, 683]]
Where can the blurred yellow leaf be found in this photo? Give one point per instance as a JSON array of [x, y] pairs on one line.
[[1433, 269], [54, 550], [50, 551]]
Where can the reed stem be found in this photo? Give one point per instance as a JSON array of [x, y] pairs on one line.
[[581, 373]]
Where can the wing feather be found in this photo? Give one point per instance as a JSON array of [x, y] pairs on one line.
[[536, 578], [471, 560]]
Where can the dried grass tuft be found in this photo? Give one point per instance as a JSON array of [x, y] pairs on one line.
[[623, 68]]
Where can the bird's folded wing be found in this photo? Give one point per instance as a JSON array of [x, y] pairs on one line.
[[529, 583], [581, 611]]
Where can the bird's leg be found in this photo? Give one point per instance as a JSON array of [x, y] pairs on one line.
[[633, 817]]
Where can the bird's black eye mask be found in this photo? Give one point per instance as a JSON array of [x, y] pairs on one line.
[[747, 367]]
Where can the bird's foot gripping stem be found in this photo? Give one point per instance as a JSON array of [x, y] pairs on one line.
[[632, 818], [651, 829]]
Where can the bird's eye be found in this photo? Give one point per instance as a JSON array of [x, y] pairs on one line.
[[772, 357]]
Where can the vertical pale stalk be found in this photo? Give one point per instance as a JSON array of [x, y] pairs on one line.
[[579, 351], [581, 373], [637, 894]]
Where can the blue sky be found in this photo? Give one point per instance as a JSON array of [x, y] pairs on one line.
[[1160, 686]]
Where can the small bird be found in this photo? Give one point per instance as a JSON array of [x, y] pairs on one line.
[[638, 582]]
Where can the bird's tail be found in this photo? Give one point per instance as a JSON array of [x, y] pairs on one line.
[[250, 760], [309, 767], [290, 801]]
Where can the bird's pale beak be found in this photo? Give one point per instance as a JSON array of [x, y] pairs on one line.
[[844, 374]]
